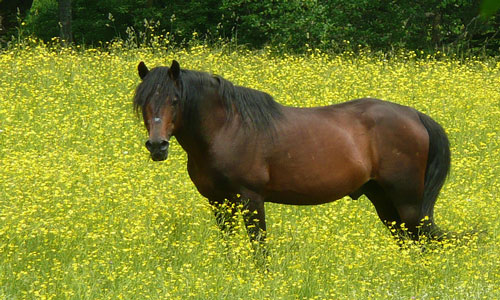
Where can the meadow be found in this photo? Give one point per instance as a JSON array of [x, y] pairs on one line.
[[85, 214]]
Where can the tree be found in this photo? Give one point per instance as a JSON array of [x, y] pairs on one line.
[[66, 34]]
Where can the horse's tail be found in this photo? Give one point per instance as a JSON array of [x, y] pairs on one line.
[[438, 167]]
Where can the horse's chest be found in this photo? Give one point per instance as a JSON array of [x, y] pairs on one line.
[[224, 173], [210, 180], [203, 177]]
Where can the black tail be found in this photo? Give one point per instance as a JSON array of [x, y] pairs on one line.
[[438, 167]]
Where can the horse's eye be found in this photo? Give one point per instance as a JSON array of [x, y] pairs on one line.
[[175, 100]]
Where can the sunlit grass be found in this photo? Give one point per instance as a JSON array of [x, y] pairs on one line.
[[84, 213]]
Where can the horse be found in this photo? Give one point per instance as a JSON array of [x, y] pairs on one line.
[[244, 149]]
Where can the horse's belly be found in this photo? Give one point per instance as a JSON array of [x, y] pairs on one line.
[[311, 189], [294, 198], [315, 183]]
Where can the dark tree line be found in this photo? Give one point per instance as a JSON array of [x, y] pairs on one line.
[[289, 24]]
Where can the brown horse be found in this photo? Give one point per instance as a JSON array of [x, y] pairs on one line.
[[245, 148]]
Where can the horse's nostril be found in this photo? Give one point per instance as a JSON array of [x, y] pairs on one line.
[[155, 146], [164, 145], [148, 145]]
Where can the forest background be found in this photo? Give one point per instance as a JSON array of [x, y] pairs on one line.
[[450, 26]]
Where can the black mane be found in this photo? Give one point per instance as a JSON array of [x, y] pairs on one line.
[[257, 109]]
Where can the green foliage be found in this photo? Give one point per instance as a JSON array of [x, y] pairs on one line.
[[489, 7], [43, 19], [97, 21], [291, 25], [341, 24], [93, 21]]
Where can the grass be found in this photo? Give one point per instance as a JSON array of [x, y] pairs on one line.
[[84, 213]]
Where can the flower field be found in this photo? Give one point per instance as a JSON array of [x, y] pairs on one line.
[[85, 214]]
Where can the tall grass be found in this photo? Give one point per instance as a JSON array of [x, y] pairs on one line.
[[84, 213]]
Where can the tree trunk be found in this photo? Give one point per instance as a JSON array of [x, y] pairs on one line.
[[436, 30], [1, 26], [66, 34]]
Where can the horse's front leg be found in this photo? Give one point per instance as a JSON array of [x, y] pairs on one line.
[[225, 214], [254, 215]]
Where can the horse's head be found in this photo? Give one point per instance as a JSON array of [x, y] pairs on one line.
[[158, 98]]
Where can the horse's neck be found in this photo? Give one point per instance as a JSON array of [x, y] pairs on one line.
[[211, 118], [194, 146]]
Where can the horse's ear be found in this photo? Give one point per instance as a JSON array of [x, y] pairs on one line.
[[143, 70], [174, 70]]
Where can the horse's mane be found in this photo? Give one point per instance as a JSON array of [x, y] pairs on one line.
[[257, 109]]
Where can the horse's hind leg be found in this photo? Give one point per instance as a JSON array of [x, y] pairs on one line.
[[405, 194], [408, 203], [386, 210]]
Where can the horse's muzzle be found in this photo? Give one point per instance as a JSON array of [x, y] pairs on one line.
[[158, 149]]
